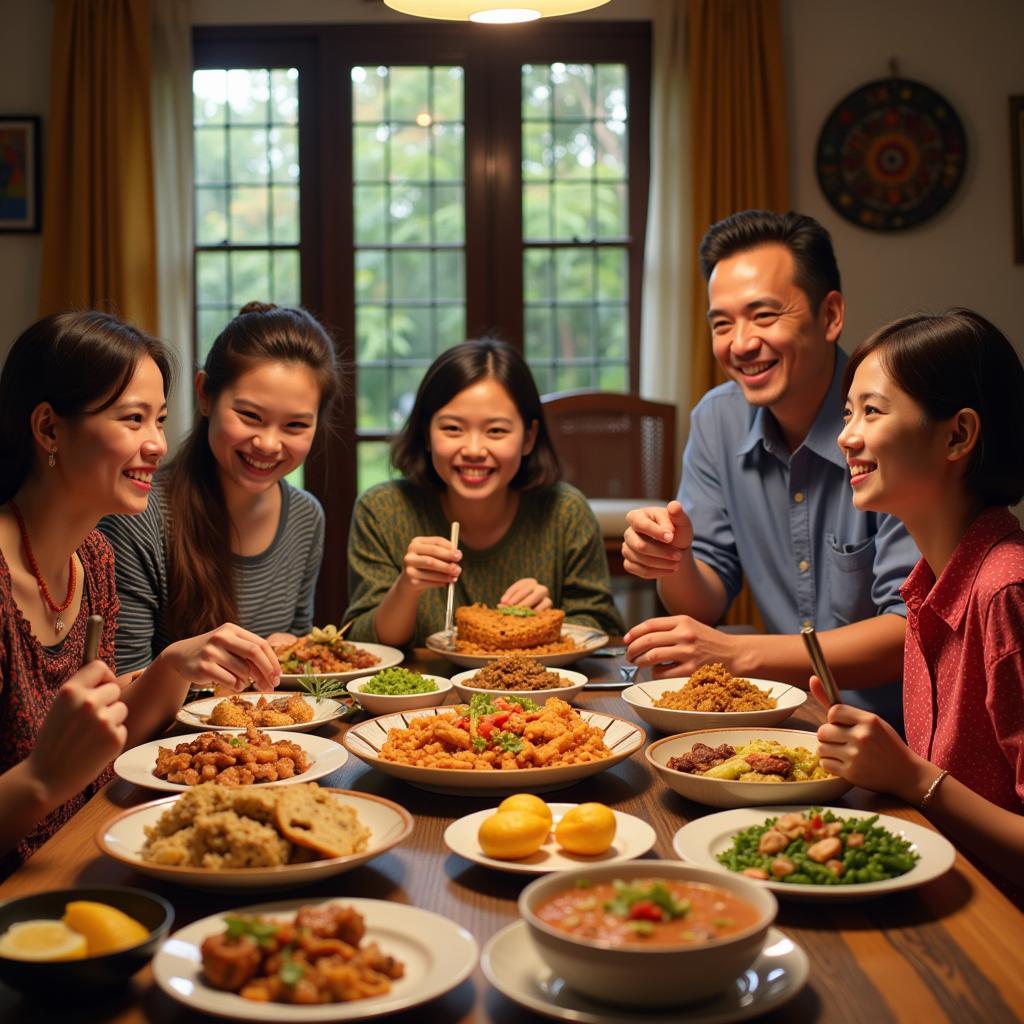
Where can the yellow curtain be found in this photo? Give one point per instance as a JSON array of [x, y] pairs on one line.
[[99, 226], [738, 146]]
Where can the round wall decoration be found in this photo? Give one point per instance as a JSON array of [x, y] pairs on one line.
[[891, 154]]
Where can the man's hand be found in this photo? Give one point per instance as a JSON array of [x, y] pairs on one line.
[[675, 645], [655, 539]]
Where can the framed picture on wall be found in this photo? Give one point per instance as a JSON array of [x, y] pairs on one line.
[[1017, 165], [19, 173]]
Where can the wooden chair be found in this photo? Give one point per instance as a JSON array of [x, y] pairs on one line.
[[614, 445], [618, 449]]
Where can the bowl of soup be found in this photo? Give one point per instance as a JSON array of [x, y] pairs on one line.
[[647, 933]]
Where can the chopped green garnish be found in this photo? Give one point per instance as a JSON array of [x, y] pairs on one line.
[[238, 741], [641, 927], [518, 610], [479, 744], [583, 883], [508, 741], [291, 972], [394, 682], [261, 931], [626, 895]]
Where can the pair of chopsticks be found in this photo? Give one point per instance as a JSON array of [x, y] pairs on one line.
[[449, 611], [820, 665]]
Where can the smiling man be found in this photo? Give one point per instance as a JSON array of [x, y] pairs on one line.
[[765, 489]]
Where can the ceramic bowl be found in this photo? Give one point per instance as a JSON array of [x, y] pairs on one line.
[[386, 703]]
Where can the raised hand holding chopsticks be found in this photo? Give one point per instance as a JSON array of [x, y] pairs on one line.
[[449, 612]]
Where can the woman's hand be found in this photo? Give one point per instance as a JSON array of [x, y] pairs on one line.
[[83, 732], [864, 749], [430, 562], [227, 656], [527, 593]]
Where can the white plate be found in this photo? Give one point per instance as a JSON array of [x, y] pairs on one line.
[[365, 740], [197, 713], [136, 765], [574, 682], [437, 953], [699, 841], [732, 792], [389, 656], [124, 835], [633, 838], [511, 963], [643, 695], [436, 642]]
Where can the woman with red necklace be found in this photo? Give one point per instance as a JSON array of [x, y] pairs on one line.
[[82, 406]]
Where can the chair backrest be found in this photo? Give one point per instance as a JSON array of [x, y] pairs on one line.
[[614, 445]]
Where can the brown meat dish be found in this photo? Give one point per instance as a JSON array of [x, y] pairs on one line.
[[317, 958], [516, 672], [700, 758], [231, 760], [713, 688]]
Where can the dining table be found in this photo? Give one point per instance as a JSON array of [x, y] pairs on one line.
[[949, 950]]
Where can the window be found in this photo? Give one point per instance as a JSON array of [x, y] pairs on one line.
[[415, 186]]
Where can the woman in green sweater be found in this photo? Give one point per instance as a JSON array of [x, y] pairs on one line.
[[475, 451]]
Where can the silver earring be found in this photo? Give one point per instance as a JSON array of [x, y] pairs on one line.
[[52, 458]]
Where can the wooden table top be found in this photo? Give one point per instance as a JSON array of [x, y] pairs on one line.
[[948, 951]]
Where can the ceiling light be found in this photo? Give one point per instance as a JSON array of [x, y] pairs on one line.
[[492, 11]]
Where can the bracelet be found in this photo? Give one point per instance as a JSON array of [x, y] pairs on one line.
[[930, 792]]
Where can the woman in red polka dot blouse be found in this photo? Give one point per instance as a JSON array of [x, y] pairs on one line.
[[935, 435]]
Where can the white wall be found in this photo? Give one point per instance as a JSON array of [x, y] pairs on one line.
[[973, 54], [24, 89]]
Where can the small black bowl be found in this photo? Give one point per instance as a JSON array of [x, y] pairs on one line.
[[68, 979]]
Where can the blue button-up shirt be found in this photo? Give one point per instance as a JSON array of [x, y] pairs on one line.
[[787, 520]]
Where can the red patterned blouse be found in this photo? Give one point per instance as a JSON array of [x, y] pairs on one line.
[[963, 663], [31, 675]]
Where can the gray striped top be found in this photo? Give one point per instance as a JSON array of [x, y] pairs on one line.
[[274, 590]]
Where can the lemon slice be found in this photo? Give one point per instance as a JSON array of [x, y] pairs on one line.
[[42, 940], [106, 929]]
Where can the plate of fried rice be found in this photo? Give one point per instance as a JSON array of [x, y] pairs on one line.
[[712, 698], [495, 745]]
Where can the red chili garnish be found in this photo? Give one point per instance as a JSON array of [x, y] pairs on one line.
[[645, 910]]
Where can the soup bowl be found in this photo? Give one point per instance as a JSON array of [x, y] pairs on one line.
[[647, 972], [61, 980]]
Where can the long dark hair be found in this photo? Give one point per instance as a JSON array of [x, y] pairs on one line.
[[80, 363], [453, 371], [199, 560], [959, 360]]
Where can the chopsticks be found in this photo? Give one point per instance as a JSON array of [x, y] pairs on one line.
[[449, 611], [93, 629], [820, 665]]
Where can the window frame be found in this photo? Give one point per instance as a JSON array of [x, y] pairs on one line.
[[492, 57]]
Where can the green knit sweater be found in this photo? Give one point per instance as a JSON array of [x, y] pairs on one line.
[[554, 538]]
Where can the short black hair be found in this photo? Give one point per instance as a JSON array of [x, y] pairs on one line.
[[453, 371], [817, 272], [959, 360]]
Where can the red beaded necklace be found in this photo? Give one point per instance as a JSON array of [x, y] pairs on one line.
[[34, 566]]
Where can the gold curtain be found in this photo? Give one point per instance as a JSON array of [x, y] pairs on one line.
[[738, 146], [99, 226]]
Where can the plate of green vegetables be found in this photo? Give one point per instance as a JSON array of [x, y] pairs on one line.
[[817, 852]]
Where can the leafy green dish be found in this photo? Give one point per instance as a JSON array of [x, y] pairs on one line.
[[819, 848]]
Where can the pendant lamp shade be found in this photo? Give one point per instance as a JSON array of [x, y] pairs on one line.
[[492, 11]]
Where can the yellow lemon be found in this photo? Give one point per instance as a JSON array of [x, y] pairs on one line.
[[588, 829], [512, 835], [526, 802], [42, 940], [106, 929]]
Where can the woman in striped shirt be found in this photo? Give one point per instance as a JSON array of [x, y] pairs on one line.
[[225, 536]]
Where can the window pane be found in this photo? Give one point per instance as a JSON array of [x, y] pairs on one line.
[[573, 212], [537, 275], [372, 401], [408, 93], [370, 203], [612, 273], [371, 334], [410, 153], [371, 275], [374, 458], [369, 148], [612, 332], [449, 152], [538, 322], [447, 94], [450, 274], [413, 333], [451, 327], [409, 214], [246, 137], [449, 220], [368, 93], [574, 274]]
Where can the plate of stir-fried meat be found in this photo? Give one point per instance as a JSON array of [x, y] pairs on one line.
[[290, 712], [175, 763], [297, 961]]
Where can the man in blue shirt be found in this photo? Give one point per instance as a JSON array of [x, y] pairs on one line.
[[765, 489]]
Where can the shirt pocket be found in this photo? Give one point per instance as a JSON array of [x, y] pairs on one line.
[[851, 575]]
